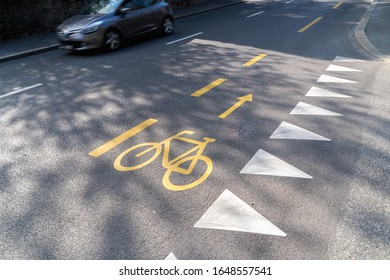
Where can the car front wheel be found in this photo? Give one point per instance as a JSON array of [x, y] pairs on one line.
[[167, 26], [112, 40]]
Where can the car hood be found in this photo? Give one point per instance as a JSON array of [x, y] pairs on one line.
[[78, 22]]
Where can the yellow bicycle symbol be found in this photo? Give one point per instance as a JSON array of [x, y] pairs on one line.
[[171, 165]]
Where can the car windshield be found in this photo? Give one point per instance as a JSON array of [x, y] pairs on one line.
[[101, 7]]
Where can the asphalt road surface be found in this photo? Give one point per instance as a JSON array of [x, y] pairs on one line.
[[268, 98]]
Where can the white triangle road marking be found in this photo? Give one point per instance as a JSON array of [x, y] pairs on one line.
[[229, 212], [306, 109], [263, 163], [289, 131], [319, 92], [171, 257], [336, 68], [331, 79], [346, 59]]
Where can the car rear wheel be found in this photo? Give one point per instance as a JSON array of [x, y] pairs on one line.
[[167, 26], [112, 40]]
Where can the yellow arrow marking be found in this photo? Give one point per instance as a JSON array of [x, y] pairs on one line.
[[121, 138], [208, 87], [337, 5], [310, 24], [254, 60], [242, 99]]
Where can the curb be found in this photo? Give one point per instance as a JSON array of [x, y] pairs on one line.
[[28, 53], [357, 37], [55, 46]]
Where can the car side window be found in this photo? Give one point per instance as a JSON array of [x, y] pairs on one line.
[[133, 4], [148, 3]]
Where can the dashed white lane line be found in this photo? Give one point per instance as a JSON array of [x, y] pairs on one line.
[[319, 92], [256, 14], [331, 79], [336, 68], [263, 163], [306, 109], [185, 38], [290, 1], [20, 90], [289, 131], [229, 212]]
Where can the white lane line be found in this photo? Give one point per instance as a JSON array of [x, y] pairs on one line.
[[229, 212], [336, 68], [290, 1], [263, 163], [289, 131], [319, 92], [307, 109], [20, 90], [331, 79], [182, 39], [256, 14], [346, 59], [171, 257]]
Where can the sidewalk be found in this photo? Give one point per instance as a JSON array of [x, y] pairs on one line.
[[39, 43], [377, 30], [372, 33]]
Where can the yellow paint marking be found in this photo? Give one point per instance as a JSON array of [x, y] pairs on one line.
[[170, 186], [337, 5], [310, 25], [121, 138], [174, 165], [254, 60], [208, 87], [242, 99]]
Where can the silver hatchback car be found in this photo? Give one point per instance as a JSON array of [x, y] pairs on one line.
[[106, 23]]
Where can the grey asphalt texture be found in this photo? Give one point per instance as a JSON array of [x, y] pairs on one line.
[[59, 203]]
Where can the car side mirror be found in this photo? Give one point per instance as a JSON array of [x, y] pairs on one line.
[[124, 11]]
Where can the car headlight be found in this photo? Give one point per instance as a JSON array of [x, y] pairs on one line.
[[92, 27]]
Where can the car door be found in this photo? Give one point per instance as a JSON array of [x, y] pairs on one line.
[[130, 17], [151, 15]]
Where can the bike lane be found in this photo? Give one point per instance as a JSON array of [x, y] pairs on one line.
[[263, 162]]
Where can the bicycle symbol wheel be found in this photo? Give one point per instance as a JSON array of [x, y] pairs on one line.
[[132, 152], [170, 186]]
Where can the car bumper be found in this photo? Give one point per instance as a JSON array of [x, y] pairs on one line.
[[80, 41]]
